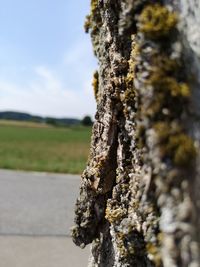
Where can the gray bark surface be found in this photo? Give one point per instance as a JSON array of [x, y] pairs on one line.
[[139, 197]]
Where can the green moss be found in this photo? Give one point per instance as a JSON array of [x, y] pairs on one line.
[[156, 21]]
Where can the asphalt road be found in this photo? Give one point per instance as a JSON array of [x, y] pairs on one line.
[[37, 203], [29, 251], [36, 213]]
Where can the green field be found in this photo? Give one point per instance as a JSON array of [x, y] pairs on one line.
[[49, 149]]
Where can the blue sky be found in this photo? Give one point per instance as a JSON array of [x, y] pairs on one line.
[[46, 59]]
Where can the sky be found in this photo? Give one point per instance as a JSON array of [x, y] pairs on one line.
[[46, 59]]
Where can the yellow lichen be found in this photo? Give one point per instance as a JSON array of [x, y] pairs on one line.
[[134, 204], [155, 106], [163, 64], [163, 130], [95, 84], [134, 53], [94, 6], [91, 17], [184, 89], [172, 86], [174, 143], [129, 95], [129, 79], [140, 136], [120, 244], [93, 20], [177, 89], [181, 148], [87, 24], [164, 84], [157, 21], [161, 67], [114, 214], [154, 254]]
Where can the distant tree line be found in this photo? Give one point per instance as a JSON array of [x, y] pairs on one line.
[[20, 116]]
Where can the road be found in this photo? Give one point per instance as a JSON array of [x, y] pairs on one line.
[[36, 213]]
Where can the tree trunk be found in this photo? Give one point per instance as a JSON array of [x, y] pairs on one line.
[[139, 198]]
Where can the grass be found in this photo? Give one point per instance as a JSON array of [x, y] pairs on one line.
[[49, 149]]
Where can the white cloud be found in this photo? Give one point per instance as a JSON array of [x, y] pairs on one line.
[[62, 90], [48, 95], [79, 60], [80, 52]]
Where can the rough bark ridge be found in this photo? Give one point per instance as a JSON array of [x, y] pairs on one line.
[[139, 197]]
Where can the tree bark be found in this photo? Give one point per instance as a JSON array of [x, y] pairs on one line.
[[139, 197]]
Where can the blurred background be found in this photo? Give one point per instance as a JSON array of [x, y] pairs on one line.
[[46, 114], [46, 65]]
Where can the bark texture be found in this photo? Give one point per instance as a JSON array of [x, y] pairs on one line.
[[139, 197]]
